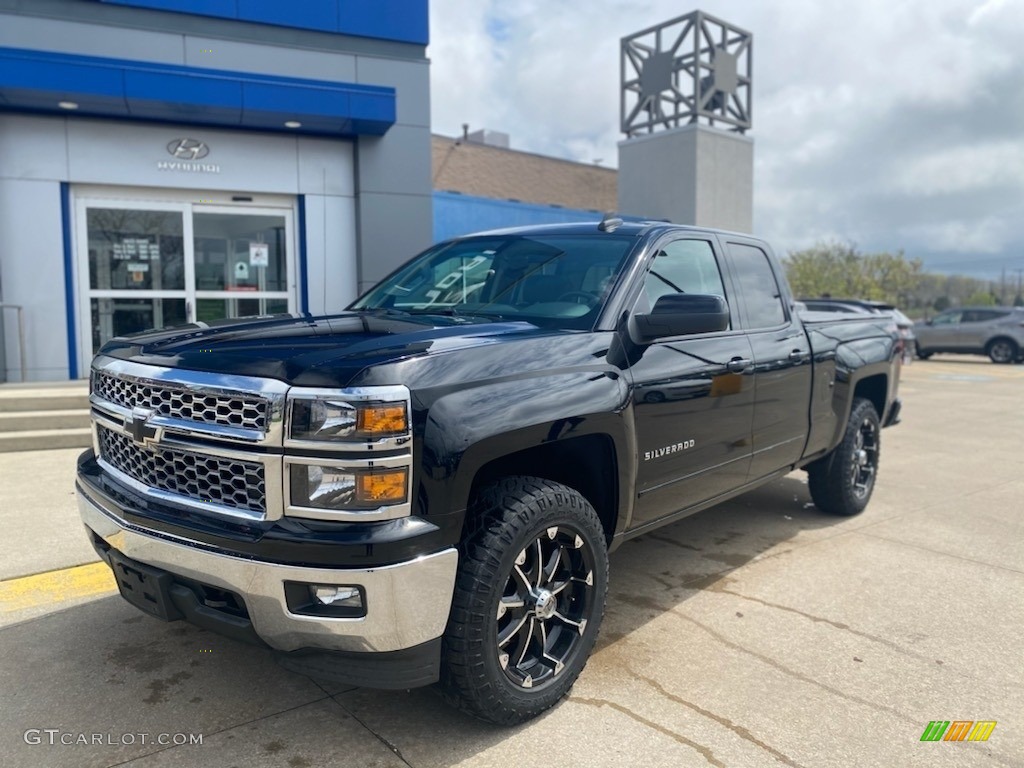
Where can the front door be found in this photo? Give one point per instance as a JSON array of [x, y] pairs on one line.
[[693, 395], [943, 333], [147, 264]]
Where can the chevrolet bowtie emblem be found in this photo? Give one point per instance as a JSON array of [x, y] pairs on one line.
[[140, 429]]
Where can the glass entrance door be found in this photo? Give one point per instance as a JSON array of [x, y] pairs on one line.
[[136, 261], [241, 264], [146, 264]]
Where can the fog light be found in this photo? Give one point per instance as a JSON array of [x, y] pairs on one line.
[[340, 597], [329, 601]]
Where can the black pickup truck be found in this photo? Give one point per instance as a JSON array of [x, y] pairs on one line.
[[425, 488]]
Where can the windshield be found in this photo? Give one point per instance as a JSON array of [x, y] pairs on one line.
[[558, 281]]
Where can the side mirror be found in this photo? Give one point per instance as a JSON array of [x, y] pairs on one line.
[[683, 314]]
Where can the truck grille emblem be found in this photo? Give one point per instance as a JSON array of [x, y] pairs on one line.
[[139, 428]]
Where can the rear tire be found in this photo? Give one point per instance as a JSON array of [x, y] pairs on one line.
[[529, 598], [1002, 351], [842, 482], [923, 354]]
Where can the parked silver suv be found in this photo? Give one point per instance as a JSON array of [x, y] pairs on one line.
[[994, 331]]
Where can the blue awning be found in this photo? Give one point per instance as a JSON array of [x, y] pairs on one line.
[[37, 81]]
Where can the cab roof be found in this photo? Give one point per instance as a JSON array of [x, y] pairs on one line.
[[630, 227]]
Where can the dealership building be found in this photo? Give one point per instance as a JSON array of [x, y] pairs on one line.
[[170, 161]]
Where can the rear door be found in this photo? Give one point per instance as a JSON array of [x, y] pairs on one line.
[[977, 326], [782, 359], [693, 395]]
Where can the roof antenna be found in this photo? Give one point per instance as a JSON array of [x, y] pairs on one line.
[[610, 222]]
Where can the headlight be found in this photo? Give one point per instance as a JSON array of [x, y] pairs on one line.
[[365, 415], [343, 488], [348, 453]]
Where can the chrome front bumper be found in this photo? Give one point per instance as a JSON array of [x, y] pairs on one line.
[[406, 604]]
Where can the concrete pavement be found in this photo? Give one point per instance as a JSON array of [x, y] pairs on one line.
[[759, 633]]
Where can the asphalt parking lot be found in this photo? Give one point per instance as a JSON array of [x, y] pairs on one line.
[[759, 633]]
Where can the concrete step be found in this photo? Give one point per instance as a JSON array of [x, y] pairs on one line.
[[45, 439], [21, 421], [18, 398]]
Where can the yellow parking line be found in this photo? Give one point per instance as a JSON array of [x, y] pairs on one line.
[[56, 587]]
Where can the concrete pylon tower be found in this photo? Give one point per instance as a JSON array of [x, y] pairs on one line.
[[685, 110]]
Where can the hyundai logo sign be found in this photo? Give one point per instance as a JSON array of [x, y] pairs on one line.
[[186, 153], [188, 149]]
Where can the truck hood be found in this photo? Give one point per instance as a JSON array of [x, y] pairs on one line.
[[315, 351]]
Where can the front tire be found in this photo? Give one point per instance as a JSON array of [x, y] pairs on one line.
[[1002, 351], [842, 482], [529, 598], [922, 354]]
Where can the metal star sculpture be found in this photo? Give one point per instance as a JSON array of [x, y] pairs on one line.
[[696, 68]]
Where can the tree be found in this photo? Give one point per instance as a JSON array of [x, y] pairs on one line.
[[981, 299], [894, 278], [826, 268], [840, 270]]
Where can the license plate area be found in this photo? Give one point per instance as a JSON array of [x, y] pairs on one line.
[[145, 587]]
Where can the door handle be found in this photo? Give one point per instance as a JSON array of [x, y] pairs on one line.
[[796, 355], [738, 364]]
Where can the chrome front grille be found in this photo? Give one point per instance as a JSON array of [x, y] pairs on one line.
[[216, 442], [205, 478], [179, 402]]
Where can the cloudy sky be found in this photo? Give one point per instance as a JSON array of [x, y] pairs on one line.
[[891, 125]]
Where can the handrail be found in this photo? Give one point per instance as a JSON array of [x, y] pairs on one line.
[[21, 336]]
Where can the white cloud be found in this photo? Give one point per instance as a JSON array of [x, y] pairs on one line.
[[987, 235], [964, 169]]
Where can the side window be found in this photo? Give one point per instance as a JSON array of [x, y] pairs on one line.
[[947, 318], [988, 315], [683, 266], [761, 295]]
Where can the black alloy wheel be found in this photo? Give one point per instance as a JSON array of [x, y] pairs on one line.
[[841, 483], [544, 609], [864, 465], [529, 598]]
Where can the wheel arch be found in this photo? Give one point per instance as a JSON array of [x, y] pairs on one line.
[[588, 464], [873, 383], [1002, 337], [874, 388]]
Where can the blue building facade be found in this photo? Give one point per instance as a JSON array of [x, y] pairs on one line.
[[168, 161], [457, 214]]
